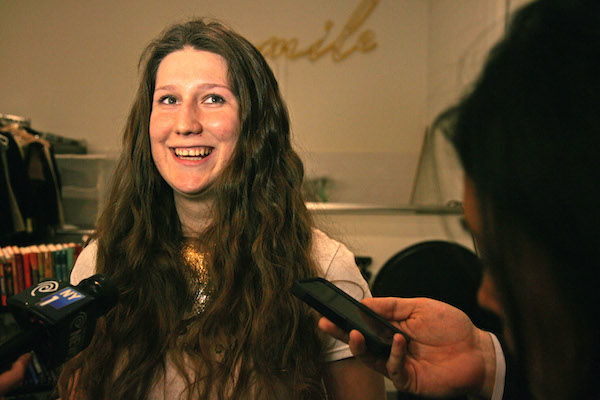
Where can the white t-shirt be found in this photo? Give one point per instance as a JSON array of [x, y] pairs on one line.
[[335, 262]]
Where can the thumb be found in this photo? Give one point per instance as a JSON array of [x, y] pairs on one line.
[[395, 364]]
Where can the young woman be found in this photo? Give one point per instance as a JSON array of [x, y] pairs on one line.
[[204, 233]]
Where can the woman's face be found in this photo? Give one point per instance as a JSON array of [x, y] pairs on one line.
[[194, 124]]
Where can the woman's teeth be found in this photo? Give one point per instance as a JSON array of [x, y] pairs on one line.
[[194, 153]]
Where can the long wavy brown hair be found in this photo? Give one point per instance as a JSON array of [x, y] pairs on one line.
[[260, 240]]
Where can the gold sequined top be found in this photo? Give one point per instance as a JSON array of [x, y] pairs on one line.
[[196, 260]]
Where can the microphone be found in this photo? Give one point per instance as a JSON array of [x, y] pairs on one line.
[[57, 320]]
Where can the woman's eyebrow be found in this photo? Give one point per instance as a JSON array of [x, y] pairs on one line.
[[200, 86], [164, 87]]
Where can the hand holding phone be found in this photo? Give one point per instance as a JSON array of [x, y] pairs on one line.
[[347, 313]]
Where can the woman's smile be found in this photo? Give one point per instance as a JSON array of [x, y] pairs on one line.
[[192, 153]]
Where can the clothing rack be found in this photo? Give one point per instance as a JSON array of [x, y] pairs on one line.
[[30, 184], [8, 119]]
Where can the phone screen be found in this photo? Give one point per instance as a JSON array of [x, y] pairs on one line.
[[347, 313]]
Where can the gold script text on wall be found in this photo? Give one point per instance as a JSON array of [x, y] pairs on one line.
[[275, 47]]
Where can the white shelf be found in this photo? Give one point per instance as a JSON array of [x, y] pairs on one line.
[[357, 208], [87, 157]]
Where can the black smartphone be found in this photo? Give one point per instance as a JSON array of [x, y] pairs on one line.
[[347, 313]]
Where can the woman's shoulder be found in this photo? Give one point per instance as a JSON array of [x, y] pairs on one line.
[[336, 263], [323, 244], [85, 265], [325, 249]]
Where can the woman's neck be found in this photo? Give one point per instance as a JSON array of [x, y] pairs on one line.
[[195, 213]]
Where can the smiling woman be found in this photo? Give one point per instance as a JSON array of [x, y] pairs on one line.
[[194, 124], [205, 233]]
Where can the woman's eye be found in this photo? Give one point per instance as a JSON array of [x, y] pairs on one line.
[[214, 99], [168, 100]]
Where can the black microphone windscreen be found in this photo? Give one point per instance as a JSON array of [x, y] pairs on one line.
[[103, 289]]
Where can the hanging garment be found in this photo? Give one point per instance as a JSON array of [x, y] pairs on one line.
[[11, 219], [45, 202], [31, 173], [17, 183]]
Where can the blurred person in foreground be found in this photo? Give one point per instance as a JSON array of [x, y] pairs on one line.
[[528, 136]]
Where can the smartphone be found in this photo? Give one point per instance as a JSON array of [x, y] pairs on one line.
[[347, 313]]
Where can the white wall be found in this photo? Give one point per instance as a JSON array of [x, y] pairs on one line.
[[460, 33]]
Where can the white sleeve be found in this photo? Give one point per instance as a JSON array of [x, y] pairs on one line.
[[500, 370], [337, 265], [85, 265]]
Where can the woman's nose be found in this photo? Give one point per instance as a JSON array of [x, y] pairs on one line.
[[188, 120]]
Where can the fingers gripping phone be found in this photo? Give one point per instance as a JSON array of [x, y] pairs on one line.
[[347, 313]]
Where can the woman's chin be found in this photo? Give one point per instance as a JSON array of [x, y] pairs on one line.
[[202, 193]]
